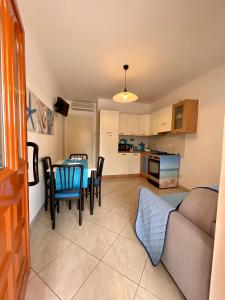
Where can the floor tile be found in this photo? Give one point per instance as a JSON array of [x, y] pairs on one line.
[[125, 209], [68, 271], [97, 240], [36, 290], [37, 230], [158, 281], [129, 232], [145, 295], [46, 248], [127, 257], [31, 275], [68, 226], [99, 212], [113, 221], [109, 202], [106, 284]]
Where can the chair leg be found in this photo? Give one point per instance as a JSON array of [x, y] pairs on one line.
[[78, 204], [53, 213], [100, 195], [80, 212], [46, 199], [57, 203], [82, 200], [96, 189], [70, 204], [86, 192]]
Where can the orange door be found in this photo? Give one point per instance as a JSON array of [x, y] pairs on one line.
[[14, 223]]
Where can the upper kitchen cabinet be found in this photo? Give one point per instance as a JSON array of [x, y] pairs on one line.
[[109, 121], [154, 123], [165, 119], [132, 124], [185, 116], [123, 119], [143, 125]]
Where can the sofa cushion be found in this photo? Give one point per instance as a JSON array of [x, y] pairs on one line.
[[200, 207]]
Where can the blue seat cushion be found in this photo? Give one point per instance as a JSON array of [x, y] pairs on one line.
[[67, 195]]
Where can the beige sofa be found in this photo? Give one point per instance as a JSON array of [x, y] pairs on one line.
[[189, 243]]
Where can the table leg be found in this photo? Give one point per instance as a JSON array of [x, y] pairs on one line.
[[92, 193]]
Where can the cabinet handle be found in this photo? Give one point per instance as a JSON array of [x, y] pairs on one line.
[[122, 133], [163, 124], [109, 131], [123, 154]]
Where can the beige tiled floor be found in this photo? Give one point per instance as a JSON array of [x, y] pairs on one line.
[[102, 259]]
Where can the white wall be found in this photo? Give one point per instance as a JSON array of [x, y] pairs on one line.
[[40, 80], [202, 154], [130, 108]]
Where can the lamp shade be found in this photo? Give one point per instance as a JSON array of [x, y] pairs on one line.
[[125, 97]]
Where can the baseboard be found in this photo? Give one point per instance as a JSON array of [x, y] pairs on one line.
[[120, 176], [37, 216]]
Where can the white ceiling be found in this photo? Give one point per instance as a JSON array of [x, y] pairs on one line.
[[166, 43]]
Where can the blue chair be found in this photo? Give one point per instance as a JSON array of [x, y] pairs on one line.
[[66, 184], [98, 180], [46, 163]]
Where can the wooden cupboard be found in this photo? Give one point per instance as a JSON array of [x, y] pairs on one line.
[[185, 116], [165, 119], [108, 148], [154, 121], [109, 121], [143, 125], [132, 124], [128, 163], [123, 124]]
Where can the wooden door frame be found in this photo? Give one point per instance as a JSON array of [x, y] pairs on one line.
[[13, 165]]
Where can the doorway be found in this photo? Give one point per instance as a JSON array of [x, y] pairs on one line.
[[79, 133]]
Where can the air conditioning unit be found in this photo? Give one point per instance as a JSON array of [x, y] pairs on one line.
[[82, 106]]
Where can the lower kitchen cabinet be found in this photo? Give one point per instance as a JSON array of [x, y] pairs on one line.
[[128, 163]]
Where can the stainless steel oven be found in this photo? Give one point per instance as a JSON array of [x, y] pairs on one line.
[[154, 170]]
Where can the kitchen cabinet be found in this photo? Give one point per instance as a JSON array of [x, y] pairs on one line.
[[134, 163], [185, 116], [108, 148], [123, 119], [165, 119], [154, 124], [132, 124], [123, 163], [109, 121], [143, 125], [128, 163]]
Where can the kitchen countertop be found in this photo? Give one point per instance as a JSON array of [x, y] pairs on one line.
[[139, 151]]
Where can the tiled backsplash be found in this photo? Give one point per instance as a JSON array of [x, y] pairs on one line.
[[172, 143], [135, 140]]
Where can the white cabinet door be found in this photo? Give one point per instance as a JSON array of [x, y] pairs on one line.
[[132, 125], [154, 123], [165, 119], [123, 124], [123, 163], [109, 121], [108, 148], [143, 124], [135, 160]]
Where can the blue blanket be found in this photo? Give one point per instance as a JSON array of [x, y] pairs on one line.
[[152, 219]]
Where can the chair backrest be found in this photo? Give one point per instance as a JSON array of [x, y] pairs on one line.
[[46, 163], [66, 178], [79, 155], [100, 165]]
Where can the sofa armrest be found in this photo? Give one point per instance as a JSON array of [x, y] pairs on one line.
[[188, 257]]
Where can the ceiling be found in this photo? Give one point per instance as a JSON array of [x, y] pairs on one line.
[[166, 43]]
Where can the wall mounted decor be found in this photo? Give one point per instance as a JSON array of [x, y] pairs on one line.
[[40, 118]]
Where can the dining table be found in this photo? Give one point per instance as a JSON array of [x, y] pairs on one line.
[[88, 176]]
